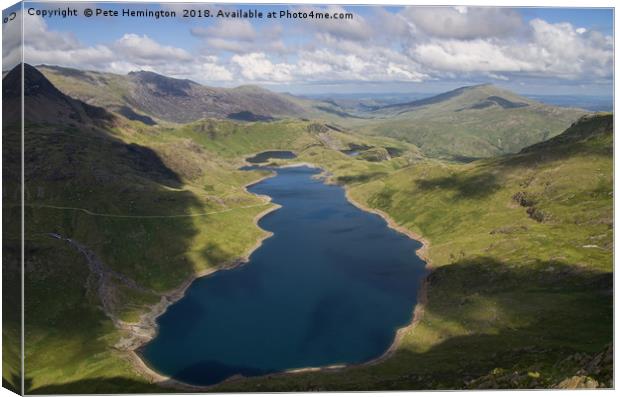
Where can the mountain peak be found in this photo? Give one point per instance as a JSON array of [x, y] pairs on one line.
[[35, 83], [473, 97], [250, 88], [44, 101], [478, 86], [147, 74]]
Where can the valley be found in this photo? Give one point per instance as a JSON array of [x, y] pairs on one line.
[[513, 199]]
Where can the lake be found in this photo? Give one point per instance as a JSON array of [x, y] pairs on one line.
[[331, 286]]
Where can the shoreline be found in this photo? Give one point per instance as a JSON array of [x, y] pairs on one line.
[[146, 329], [422, 253], [418, 311]]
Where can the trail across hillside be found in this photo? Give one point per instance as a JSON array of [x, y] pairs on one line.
[[89, 212]]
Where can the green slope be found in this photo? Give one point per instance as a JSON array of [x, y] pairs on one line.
[[471, 122]]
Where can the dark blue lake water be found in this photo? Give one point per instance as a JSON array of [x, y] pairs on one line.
[[331, 286]]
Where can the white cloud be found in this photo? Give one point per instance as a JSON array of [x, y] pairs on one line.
[[257, 67], [143, 48], [129, 53], [86, 57], [38, 36], [11, 39], [555, 50], [240, 37], [232, 29], [241, 47], [467, 56], [402, 72], [349, 29], [498, 77], [464, 22], [558, 49]]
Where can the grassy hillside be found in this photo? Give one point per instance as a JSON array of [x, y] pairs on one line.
[[11, 232], [471, 122]]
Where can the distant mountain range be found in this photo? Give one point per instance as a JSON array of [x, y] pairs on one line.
[[149, 94], [462, 124]]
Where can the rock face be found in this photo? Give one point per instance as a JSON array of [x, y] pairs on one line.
[[578, 382], [524, 199], [595, 370], [375, 154], [577, 371]]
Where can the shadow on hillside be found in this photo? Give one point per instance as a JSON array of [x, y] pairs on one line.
[[213, 254], [464, 186], [360, 178], [592, 136], [549, 154], [113, 385], [11, 238]]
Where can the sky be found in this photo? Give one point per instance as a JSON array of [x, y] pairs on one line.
[[381, 49]]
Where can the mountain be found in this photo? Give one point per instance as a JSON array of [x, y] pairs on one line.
[[474, 97], [471, 122], [184, 101], [145, 96]]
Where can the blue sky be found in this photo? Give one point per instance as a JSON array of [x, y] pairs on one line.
[[383, 49]]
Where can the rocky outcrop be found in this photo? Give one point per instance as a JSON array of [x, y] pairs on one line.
[[577, 371]]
